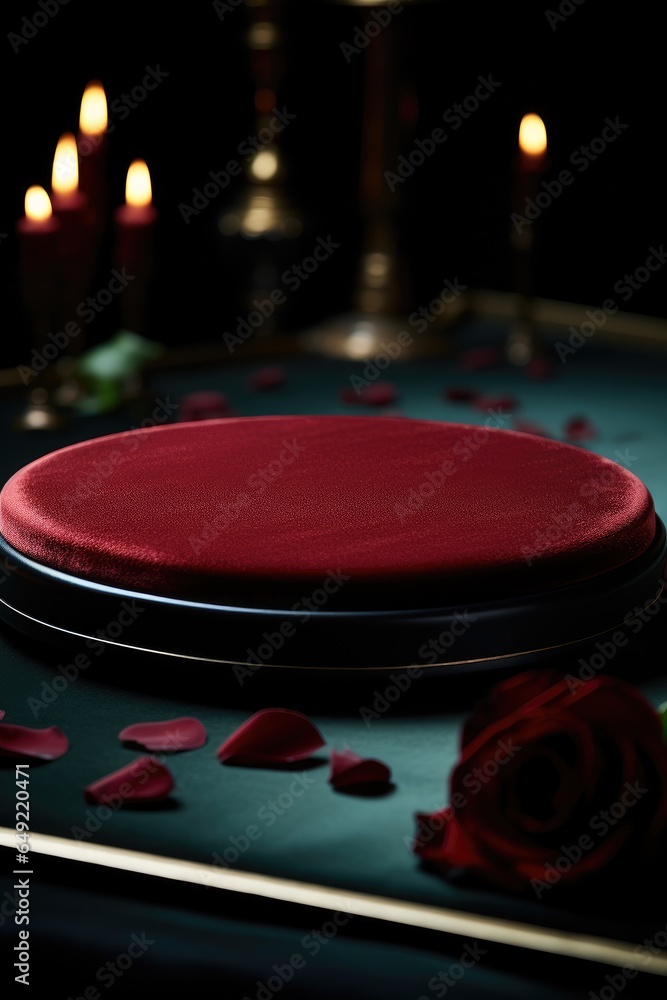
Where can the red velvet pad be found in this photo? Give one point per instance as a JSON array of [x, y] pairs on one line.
[[207, 508]]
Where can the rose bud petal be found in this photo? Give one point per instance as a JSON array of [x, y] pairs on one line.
[[185, 733], [376, 394], [271, 377], [272, 736], [478, 358], [131, 784], [42, 744], [203, 406], [459, 394], [546, 760], [530, 427], [347, 769], [506, 403], [580, 429]]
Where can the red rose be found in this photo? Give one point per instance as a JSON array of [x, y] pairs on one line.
[[557, 780]]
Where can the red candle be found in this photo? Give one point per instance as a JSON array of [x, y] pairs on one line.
[[531, 164], [70, 205], [134, 242], [92, 146], [38, 237]]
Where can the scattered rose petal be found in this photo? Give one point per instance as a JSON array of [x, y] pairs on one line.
[[44, 744], [272, 736], [185, 733], [347, 769], [506, 403], [481, 357], [540, 368], [203, 406], [2, 713], [459, 394], [530, 427], [376, 394], [144, 780], [580, 429], [271, 377]]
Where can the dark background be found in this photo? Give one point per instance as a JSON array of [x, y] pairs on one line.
[[454, 211]]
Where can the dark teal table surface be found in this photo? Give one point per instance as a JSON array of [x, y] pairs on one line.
[[307, 831]]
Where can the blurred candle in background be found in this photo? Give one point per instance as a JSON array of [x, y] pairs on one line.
[[38, 237], [135, 221], [523, 343], [75, 253], [92, 147]]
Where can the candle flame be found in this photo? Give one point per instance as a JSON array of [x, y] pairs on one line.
[[265, 165], [532, 135], [37, 204], [138, 190], [65, 175], [93, 118]]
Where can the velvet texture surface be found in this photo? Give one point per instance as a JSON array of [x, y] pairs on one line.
[[204, 510]]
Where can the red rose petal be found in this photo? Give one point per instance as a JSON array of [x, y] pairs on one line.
[[481, 357], [580, 429], [43, 744], [347, 768], [204, 406], [2, 713], [272, 736], [144, 780], [185, 733], [459, 394], [376, 394], [506, 403], [271, 377], [530, 427]]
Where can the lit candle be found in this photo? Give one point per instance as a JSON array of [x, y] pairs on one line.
[[134, 242], [70, 205], [523, 343], [530, 165], [92, 146], [38, 237]]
